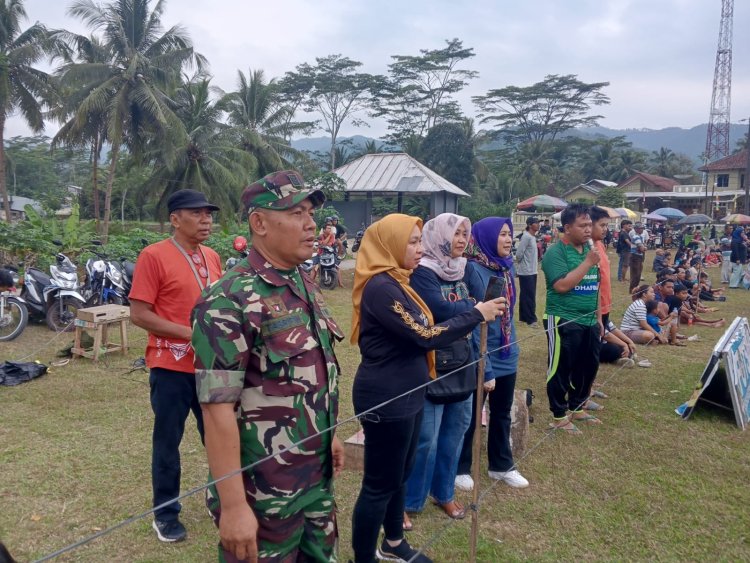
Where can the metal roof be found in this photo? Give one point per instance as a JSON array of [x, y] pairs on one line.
[[393, 172]]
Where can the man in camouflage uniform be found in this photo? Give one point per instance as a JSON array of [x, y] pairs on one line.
[[267, 377]]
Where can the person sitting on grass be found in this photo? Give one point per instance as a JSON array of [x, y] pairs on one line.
[[634, 323], [617, 347], [690, 309], [656, 323], [707, 293], [746, 277], [661, 260]]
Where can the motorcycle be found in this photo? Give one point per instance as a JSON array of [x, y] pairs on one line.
[[329, 268], [309, 265], [104, 283], [54, 298], [108, 281], [358, 239], [240, 245], [14, 316]]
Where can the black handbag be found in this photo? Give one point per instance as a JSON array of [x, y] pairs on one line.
[[461, 382]]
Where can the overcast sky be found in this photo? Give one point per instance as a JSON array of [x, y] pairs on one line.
[[658, 55]]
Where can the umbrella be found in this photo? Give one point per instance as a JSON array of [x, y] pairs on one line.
[[654, 217], [613, 214], [737, 219], [542, 201], [627, 213], [695, 219], [670, 213]]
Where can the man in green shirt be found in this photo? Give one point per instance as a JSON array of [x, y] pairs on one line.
[[572, 319]]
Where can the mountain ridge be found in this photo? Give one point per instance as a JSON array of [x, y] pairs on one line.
[[690, 142]]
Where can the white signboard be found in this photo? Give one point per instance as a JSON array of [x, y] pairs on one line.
[[733, 352]]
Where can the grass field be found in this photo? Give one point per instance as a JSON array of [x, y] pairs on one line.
[[75, 459]]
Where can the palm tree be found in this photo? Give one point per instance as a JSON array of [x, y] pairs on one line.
[[210, 158], [23, 88], [130, 92], [534, 166], [80, 49], [663, 162], [263, 121]]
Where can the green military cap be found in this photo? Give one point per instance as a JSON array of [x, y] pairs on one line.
[[280, 190]]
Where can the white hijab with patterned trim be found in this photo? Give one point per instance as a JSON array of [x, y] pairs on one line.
[[437, 240]]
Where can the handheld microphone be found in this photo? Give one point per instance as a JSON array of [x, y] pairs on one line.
[[590, 242]]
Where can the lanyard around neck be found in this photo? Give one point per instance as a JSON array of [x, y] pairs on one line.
[[192, 265]]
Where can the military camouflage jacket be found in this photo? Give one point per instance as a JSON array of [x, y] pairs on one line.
[[266, 345]]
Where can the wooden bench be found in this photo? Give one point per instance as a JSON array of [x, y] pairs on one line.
[[98, 320]]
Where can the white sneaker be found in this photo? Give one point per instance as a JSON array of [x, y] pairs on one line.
[[512, 478], [694, 338], [464, 483]]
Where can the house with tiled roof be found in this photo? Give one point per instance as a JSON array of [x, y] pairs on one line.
[[729, 172], [587, 192], [725, 179]]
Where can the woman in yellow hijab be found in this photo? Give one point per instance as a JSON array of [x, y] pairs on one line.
[[396, 335]]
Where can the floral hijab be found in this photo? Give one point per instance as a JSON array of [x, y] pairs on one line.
[[437, 242], [483, 250]]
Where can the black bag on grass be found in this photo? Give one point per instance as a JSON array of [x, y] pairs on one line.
[[15, 373]]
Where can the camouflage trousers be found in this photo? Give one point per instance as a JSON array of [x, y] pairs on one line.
[[308, 535]]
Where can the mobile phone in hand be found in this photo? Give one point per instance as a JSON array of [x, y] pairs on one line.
[[495, 289]]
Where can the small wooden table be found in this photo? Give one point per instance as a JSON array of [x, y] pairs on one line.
[[99, 319]]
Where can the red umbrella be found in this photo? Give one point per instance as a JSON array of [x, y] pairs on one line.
[[542, 201]]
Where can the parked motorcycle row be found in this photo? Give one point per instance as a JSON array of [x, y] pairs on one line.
[[56, 298]]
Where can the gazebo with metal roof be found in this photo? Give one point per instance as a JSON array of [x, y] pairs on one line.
[[393, 175]]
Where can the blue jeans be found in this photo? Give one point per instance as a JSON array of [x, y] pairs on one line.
[[620, 263], [440, 439]]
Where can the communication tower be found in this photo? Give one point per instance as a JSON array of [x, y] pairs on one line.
[[717, 139]]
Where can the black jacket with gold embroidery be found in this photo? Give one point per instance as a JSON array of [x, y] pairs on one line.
[[394, 337]]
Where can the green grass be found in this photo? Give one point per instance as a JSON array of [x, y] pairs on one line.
[[75, 458]]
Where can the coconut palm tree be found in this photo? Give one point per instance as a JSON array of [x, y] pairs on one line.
[[210, 157], [92, 131], [23, 88], [131, 91], [663, 162], [264, 122]]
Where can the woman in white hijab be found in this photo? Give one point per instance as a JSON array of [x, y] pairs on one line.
[[447, 409]]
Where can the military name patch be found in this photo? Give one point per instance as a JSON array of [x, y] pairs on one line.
[[282, 324]]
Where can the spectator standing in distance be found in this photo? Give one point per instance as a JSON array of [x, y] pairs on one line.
[[623, 249], [526, 268], [738, 256], [267, 377], [572, 319], [637, 255], [169, 277]]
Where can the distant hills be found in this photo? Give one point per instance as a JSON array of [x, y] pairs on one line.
[[691, 142]]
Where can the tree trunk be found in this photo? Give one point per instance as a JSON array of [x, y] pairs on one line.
[[108, 194], [96, 148], [122, 205], [3, 186]]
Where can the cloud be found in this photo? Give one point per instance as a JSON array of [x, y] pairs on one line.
[[658, 55]]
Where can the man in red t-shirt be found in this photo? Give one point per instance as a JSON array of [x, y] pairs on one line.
[[169, 277]]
